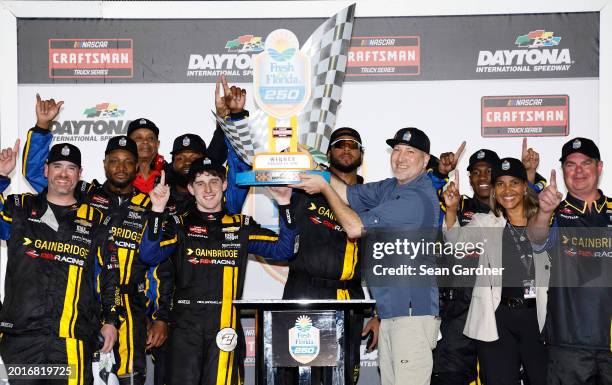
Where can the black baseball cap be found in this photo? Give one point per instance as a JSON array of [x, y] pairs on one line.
[[582, 145], [121, 142], [191, 142], [344, 131], [411, 136], [483, 155], [201, 165], [142, 123], [509, 166], [65, 151]]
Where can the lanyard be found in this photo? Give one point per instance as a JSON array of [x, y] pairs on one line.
[[522, 246]]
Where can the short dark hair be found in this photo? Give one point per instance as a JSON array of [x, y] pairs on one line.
[[212, 172]]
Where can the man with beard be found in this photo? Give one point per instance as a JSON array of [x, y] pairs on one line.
[[56, 242], [127, 206], [331, 271]]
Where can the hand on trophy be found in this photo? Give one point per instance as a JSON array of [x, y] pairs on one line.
[[311, 183], [233, 98]]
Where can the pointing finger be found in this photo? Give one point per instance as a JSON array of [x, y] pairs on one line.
[[553, 179], [460, 150], [226, 88], [16, 146]]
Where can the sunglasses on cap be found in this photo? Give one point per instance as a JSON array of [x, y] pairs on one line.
[[344, 143]]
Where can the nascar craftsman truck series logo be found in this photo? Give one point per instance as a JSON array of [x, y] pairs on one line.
[[384, 56], [537, 51], [91, 58], [524, 115], [236, 61]]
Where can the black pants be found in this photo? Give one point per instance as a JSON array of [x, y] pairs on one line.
[[304, 286], [454, 358], [45, 350], [518, 344], [195, 359], [569, 366], [159, 360]]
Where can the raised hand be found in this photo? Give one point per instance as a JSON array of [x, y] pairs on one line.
[[451, 195], [550, 197], [530, 159], [8, 159], [160, 195], [46, 111], [448, 160], [233, 98]]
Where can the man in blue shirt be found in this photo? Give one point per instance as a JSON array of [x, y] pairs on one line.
[[408, 315]]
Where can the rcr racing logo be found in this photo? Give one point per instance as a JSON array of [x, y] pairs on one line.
[[238, 61], [101, 122], [536, 55]]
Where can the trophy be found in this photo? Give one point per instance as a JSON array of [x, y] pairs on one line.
[[297, 92]]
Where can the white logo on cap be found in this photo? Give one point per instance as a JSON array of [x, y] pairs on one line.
[[506, 165], [480, 155], [143, 121], [407, 135], [186, 141], [576, 144], [206, 161], [122, 142], [65, 151]]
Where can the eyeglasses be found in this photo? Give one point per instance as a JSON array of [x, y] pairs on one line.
[[346, 143]]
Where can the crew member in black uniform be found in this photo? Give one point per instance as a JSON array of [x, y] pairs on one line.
[[455, 354], [327, 265], [185, 149], [579, 317], [50, 313], [209, 251], [117, 198]]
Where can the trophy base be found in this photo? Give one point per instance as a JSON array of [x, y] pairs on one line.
[[275, 177]]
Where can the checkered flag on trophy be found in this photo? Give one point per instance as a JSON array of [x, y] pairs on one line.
[[327, 49]]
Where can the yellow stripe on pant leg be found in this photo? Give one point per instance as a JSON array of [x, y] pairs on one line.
[[126, 340], [77, 290], [233, 326], [68, 309], [348, 267], [74, 358], [225, 321]]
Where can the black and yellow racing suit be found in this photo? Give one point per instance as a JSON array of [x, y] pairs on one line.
[[209, 253], [128, 212], [50, 313]]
